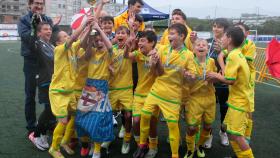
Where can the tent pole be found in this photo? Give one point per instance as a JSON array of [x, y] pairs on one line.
[[169, 14]]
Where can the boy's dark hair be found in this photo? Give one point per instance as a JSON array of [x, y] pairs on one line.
[[123, 28], [107, 18], [139, 18], [32, 1], [132, 2], [180, 28], [148, 26], [236, 35], [180, 13], [41, 24], [240, 23], [222, 22], [176, 10], [150, 36], [55, 38]]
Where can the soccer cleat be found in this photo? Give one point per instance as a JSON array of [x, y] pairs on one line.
[[189, 154], [208, 143], [151, 153], [125, 147], [37, 142], [91, 151], [115, 122], [105, 145], [55, 153], [44, 141], [200, 152], [84, 152], [68, 150], [96, 155], [224, 138], [122, 132], [140, 152]]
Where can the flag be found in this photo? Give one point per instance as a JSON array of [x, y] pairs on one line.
[[273, 58]]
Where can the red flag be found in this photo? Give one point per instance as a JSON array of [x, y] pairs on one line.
[[273, 58], [81, 17]]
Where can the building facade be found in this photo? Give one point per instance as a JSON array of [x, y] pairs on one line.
[[65, 8], [12, 10]]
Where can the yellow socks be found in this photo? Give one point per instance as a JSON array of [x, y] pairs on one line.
[[249, 129], [153, 142], [57, 135], [70, 131], [239, 153], [127, 137], [97, 147], [190, 140], [174, 137], [204, 135], [144, 127], [246, 154]]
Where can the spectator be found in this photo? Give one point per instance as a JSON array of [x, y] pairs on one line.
[[30, 67]]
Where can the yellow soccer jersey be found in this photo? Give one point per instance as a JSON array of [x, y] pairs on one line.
[[249, 51], [99, 65], [81, 72], [169, 85], [145, 78], [122, 76], [65, 65], [201, 87], [122, 20], [237, 69], [188, 43]]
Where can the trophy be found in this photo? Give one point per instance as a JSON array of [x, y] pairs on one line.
[[91, 2]]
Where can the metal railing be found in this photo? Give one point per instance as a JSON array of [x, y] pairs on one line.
[[262, 72]]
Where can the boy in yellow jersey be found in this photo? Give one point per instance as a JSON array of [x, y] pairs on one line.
[[248, 49], [61, 87], [94, 112], [134, 7], [201, 104], [178, 16], [146, 78], [80, 74], [237, 76], [166, 92], [120, 83]]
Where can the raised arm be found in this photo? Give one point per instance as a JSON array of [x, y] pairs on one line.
[[127, 49], [100, 8], [74, 37], [156, 65], [85, 36], [217, 77], [105, 39]]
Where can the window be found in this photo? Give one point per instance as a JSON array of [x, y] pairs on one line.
[[59, 5], [8, 7], [16, 7], [3, 6]]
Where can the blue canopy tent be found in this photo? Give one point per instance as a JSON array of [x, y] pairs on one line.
[[149, 13]]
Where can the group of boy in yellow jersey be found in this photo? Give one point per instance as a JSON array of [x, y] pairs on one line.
[[92, 78]]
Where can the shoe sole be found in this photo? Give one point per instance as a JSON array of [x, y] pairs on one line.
[[38, 146]]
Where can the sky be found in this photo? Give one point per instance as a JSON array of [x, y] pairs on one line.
[[217, 8]]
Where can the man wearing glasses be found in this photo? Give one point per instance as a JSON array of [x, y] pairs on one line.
[[26, 27]]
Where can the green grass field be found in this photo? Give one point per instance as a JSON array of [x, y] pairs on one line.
[[14, 142]]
